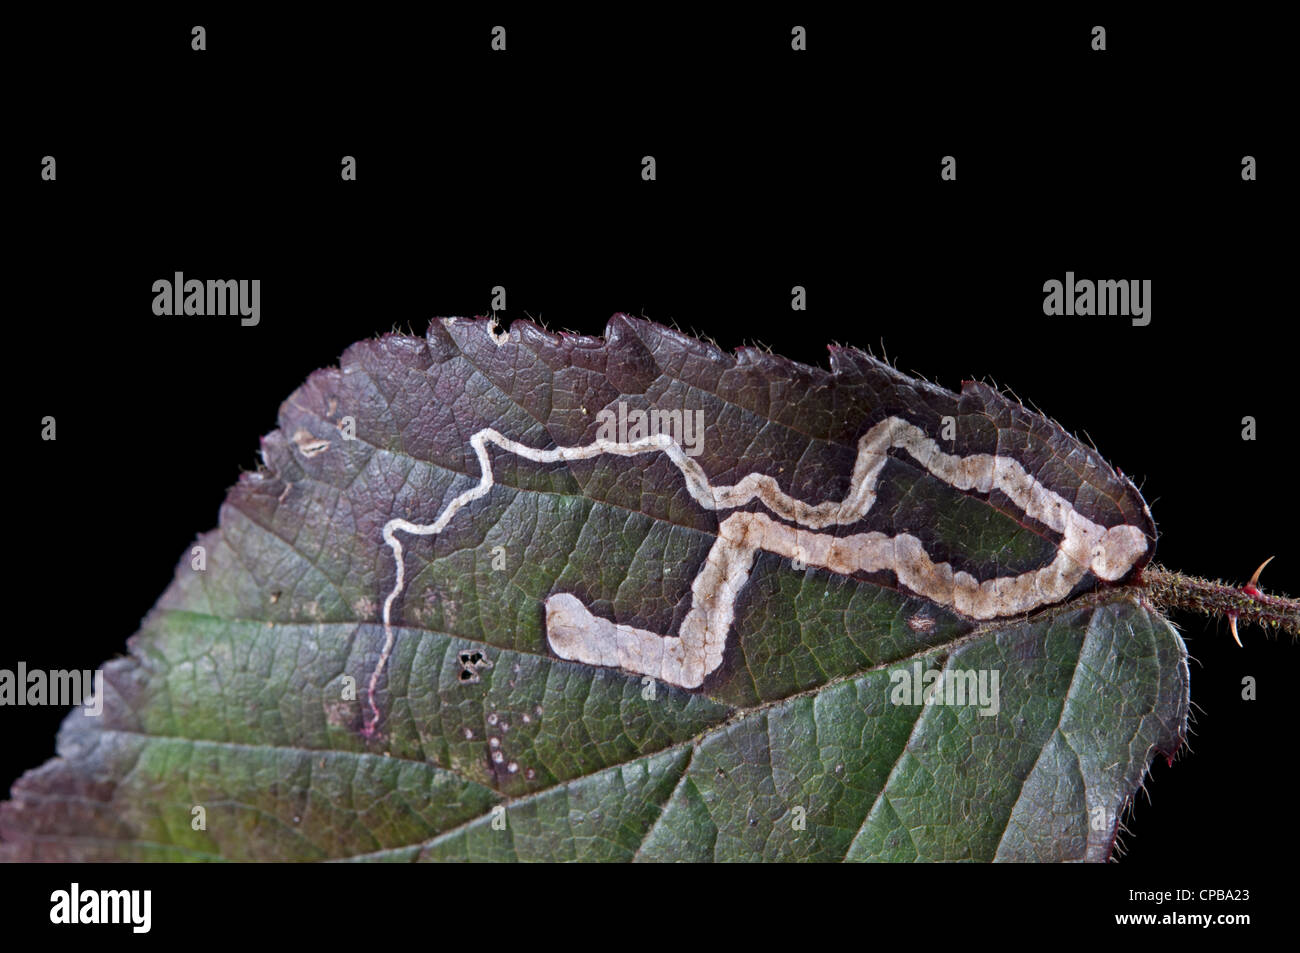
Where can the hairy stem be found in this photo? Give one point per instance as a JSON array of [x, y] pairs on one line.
[[1173, 590]]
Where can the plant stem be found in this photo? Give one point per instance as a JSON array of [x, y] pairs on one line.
[[1173, 590]]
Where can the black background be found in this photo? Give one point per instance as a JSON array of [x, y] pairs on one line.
[[775, 168]]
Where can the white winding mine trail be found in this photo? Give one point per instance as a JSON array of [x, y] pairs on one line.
[[689, 657]]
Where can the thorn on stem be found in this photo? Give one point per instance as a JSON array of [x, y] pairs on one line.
[[1252, 588]]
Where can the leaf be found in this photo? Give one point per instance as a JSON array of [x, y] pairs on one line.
[[788, 624]]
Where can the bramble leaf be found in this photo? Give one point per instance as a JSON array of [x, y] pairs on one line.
[[710, 632]]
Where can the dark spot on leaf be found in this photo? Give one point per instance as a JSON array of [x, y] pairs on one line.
[[472, 662]]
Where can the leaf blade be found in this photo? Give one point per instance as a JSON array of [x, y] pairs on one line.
[[253, 654]]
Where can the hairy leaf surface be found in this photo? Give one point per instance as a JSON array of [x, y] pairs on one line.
[[267, 689]]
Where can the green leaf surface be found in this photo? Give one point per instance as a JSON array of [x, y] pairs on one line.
[[246, 691]]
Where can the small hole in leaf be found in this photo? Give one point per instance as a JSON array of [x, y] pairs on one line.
[[474, 659]]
